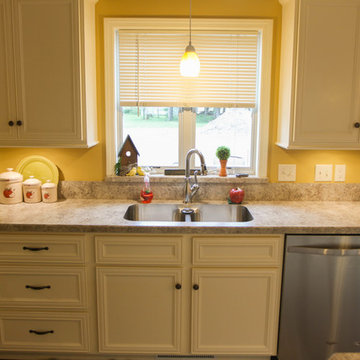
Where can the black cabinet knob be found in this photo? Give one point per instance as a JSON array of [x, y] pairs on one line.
[[19, 123], [178, 286], [357, 125], [196, 287], [11, 123]]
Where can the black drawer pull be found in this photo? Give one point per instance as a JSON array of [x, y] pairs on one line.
[[178, 286], [196, 287], [41, 332], [38, 287], [35, 248]]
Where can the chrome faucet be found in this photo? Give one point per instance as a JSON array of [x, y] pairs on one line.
[[190, 190]]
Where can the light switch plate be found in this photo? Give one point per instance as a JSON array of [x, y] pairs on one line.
[[286, 172], [340, 171], [323, 172]]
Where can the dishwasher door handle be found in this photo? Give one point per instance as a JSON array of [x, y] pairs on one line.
[[310, 250]]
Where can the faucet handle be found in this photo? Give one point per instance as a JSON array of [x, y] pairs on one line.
[[204, 170], [195, 187], [196, 172]]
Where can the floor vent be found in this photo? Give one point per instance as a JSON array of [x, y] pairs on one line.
[[186, 357]]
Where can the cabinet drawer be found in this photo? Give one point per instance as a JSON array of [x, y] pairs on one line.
[[44, 331], [43, 287], [42, 248], [144, 250], [238, 251]]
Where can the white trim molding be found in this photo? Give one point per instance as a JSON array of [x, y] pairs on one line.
[[112, 25]]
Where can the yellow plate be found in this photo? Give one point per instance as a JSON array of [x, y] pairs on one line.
[[40, 167]]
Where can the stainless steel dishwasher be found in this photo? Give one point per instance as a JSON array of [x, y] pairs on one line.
[[320, 303]]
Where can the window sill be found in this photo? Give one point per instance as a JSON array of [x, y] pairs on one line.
[[177, 179]]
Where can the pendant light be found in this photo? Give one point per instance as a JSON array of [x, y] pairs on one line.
[[190, 63]]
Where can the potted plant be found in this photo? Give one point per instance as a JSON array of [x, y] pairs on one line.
[[223, 153]]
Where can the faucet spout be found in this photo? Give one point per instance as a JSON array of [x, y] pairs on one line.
[[190, 190]]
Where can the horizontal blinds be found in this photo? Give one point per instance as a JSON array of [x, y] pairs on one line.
[[149, 69]]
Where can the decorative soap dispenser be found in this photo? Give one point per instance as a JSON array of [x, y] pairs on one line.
[[146, 192]]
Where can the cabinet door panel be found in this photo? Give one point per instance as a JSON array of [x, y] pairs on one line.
[[7, 90], [139, 310], [47, 53], [235, 311], [329, 61]]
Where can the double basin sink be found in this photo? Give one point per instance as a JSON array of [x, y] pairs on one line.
[[188, 213]]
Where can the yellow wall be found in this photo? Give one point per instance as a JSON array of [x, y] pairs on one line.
[[89, 164]]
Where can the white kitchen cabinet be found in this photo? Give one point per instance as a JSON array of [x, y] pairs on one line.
[[235, 310], [139, 310], [109, 295], [226, 294], [48, 95], [139, 307], [44, 300], [319, 100]]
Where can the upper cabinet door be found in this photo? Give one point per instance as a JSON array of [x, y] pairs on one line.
[[320, 79], [7, 91], [47, 74], [49, 89]]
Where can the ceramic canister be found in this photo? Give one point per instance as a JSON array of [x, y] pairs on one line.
[[49, 192], [32, 192], [11, 187]]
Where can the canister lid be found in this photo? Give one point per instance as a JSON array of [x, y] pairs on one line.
[[31, 181], [11, 176], [48, 185]]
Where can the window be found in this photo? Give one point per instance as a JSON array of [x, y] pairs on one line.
[[165, 114]]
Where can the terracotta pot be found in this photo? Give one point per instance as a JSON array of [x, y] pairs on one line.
[[222, 171]]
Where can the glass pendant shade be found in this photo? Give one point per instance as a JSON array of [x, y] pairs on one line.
[[190, 63]]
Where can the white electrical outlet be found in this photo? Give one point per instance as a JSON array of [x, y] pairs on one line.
[[287, 172], [340, 171], [323, 172]]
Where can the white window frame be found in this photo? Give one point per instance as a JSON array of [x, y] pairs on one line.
[[112, 114]]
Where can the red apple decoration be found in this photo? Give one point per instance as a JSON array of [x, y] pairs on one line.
[[46, 195], [7, 193], [29, 194], [237, 195]]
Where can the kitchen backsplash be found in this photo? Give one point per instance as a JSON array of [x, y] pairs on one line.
[[211, 189]]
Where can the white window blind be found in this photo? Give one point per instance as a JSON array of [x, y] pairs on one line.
[[149, 72]]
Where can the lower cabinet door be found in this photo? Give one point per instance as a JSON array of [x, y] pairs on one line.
[[30, 331], [139, 310], [235, 311]]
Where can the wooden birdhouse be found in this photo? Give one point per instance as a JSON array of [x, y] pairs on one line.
[[128, 153]]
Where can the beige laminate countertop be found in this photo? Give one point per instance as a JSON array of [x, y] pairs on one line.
[[295, 217]]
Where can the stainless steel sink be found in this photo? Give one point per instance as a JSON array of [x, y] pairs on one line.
[[188, 213]]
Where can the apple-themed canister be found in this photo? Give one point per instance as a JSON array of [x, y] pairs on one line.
[[49, 192], [11, 187], [32, 191]]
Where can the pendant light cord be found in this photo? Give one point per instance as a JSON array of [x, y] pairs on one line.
[[190, 23]]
